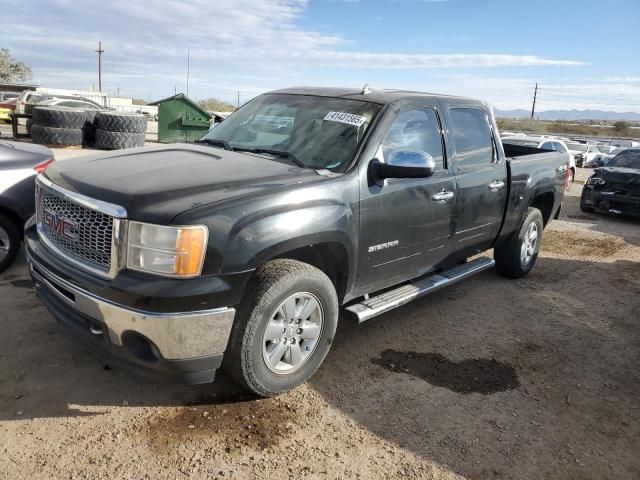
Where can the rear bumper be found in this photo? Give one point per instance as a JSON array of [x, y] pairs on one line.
[[184, 347], [612, 203]]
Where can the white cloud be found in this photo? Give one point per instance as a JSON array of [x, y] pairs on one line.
[[146, 44]]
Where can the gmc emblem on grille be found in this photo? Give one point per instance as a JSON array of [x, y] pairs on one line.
[[60, 225]]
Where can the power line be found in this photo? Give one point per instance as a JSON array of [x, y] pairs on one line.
[[100, 51]]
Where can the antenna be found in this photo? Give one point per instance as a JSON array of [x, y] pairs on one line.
[[365, 90], [188, 66]]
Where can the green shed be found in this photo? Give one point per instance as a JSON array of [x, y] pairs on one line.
[[180, 119]]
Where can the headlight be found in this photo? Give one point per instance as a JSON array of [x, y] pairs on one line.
[[595, 181], [170, 251]]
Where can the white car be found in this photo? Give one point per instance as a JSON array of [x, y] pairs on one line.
[[28, 99], [75, 102], [547, 143], [583, 152], [602, 159]]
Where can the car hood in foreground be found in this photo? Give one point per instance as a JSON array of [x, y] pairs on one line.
[[157, 183]]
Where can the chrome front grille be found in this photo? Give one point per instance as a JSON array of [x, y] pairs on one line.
[[82, 233]]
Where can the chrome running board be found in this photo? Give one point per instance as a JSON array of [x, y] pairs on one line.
[[376, 305]]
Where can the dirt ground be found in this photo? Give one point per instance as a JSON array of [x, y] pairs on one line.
[[491, 379]]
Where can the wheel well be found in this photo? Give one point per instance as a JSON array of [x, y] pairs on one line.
[[15, 218], [330, 258], [544, 203]]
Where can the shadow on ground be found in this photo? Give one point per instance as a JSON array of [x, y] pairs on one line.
[[494, 378]]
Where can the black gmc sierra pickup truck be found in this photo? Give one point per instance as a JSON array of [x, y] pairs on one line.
[[238, 251]]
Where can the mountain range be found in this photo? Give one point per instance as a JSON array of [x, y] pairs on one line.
[[570, 115]]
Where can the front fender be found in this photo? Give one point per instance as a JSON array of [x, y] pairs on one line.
[[268, 234]]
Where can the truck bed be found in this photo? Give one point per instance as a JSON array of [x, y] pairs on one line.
[[526, 166]]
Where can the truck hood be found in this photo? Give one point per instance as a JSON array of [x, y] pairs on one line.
[[619, 175], [157, 183]]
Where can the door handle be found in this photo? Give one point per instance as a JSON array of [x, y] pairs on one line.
[[442, 196], [495, 186]]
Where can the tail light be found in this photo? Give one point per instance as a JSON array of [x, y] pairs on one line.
[[42, 166]]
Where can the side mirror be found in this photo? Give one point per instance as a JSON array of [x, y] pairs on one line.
[[405, 164]]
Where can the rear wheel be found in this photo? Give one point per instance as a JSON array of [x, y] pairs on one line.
[[9, 242], [283, 329], [516, 257]]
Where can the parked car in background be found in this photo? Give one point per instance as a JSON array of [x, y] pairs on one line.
[[545, 143], [616, 187], [8, 96], [29, 98], [238, 250], [72, 102], [19, 165], [602, 159], [625, 143], [7, 105], [583, 152]]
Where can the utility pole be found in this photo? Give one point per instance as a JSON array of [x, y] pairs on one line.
[[188, 61], [238, 98], [100, 51], [535, 96]]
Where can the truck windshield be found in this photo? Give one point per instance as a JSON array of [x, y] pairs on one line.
[[317, 132]]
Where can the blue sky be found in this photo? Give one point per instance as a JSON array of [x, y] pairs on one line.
[[584, 54]]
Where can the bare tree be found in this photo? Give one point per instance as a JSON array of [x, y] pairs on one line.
[[216, 105], [11, 70]]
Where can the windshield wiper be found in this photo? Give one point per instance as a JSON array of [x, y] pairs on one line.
[[277, 153], [216, 143]]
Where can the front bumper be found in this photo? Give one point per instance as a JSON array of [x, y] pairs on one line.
[[611, 202], [184, 347]]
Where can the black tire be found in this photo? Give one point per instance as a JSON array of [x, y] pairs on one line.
[[29, 125], [117, 140], [9, 233], [270, 286], [121, 122], [583, 204], [59, 117], [89, 127], [508, 255], [56, 136]]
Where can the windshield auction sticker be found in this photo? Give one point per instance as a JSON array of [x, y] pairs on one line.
[[348, 118]]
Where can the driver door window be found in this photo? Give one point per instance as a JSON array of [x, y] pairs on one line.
[[415, 130]]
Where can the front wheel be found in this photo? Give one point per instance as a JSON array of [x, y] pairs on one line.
[[583, 203], [9, 242], [516, 257], [283, 329]]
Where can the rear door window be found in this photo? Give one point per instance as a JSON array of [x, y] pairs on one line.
[[472, 137]]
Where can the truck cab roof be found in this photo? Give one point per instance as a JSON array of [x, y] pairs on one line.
[[379, 96]]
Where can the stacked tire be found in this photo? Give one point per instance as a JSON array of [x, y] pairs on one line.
[[57, 126], [115, 130]]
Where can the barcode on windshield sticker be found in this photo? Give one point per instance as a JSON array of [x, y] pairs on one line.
[[348, 118]]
